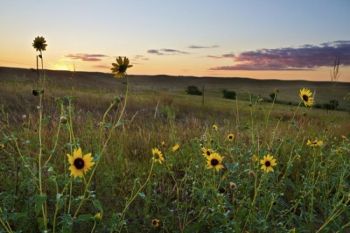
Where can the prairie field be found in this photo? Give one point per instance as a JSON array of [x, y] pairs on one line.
[[166, 161]]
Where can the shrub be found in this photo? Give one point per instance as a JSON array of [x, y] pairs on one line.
[[229, 94], [193, 90]]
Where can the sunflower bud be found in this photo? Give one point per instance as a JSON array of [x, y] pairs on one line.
[[98, 216]]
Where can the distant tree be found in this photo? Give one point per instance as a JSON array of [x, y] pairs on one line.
[[193, 90], [229, 94]]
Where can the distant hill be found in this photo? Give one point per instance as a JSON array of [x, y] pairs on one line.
[[288, 89]]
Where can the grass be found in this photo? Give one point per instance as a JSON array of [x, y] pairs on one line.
[[308, 191]]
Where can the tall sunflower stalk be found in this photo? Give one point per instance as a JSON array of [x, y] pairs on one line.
[[40, 45], [119, 70]]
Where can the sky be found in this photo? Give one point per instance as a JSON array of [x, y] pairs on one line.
[[270, 39]]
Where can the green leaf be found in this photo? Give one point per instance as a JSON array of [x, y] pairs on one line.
[[39, 200]]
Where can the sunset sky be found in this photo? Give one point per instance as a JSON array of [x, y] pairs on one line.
[[296, 39]]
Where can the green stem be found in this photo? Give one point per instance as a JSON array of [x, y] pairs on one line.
[[115, 124], [136, 194]]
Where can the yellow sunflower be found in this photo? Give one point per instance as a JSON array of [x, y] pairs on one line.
[[176, 147], [157, 155], [267, 163], [119, 68], [155, 222], [98, 216], [314, 143], [306, 96], [214, 161], [206, 151], [255, 158], [79, 164], [39, 43], [230, 137], [215, 127]]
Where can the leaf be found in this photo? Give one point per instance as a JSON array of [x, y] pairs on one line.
[[39, 200], [85, 218]]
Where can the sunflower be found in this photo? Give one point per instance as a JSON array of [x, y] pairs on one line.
[[255, 158], [230, 137], [176, 147], [119, 68], [39, 43], [157, 155], [314, 143], [79, 164], [155, 222], [267, 163], [206, 152], [215, 161], [98, 216], [306, 96], [215, 127]]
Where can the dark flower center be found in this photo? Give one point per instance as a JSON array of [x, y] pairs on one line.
[[208, 152], [214, 162], [267, 163], [305, 98], [122, 68], [79, 163], [230, 137]]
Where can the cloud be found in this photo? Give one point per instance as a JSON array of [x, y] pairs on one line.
[[86, 56], [226, 55], [203, 47], [166, 51], [140, 57], [305, 57], [103, 66]]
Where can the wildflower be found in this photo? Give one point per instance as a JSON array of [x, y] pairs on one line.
[[207, 152], [155, 222], [267, 163], [163, 144], [232, 185], [119, 68], [215, 127], [314, 143], [306, 96], [39, 43], [255, 158], [230, 137], [157, 155], [63, 119], [98, 216], [79, 164], [176, 147], [215, 161], [2, 146]]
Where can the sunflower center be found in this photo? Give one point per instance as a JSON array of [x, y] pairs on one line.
[[230, 137], [208, 152], [79, 163], [305, 98], [214, 162], [122, 68], [156, 156], [267, 163]]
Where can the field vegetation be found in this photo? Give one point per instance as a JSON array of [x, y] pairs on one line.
[[86, 152]]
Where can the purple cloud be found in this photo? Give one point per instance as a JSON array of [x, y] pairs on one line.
[[202, 47], [86, 56], [166, 51], [226, 55], [304, 57]]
